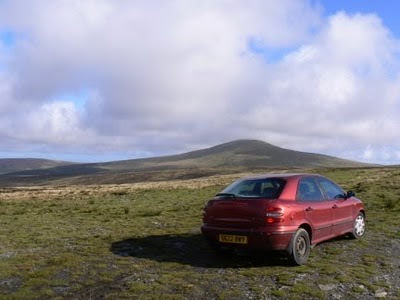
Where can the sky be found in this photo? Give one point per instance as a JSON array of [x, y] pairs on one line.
[[102, 80]]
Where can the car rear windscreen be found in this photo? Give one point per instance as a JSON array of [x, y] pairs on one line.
[[269, 188]]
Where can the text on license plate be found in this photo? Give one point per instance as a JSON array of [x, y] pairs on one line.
[[236, 239]]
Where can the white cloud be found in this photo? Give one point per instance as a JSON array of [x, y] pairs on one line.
[[57, 123], [58, 120], [368, 154], [171, 75]]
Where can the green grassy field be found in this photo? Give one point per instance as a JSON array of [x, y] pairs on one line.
[[143, 241]]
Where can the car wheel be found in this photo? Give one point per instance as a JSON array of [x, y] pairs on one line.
[[300, 247], [359, 226]]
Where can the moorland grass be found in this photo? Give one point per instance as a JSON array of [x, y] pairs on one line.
[[143, 241]]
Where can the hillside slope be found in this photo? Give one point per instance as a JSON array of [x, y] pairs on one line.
[[8, 165]]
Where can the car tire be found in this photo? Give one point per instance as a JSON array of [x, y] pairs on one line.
[[299, 247], [358, 226]]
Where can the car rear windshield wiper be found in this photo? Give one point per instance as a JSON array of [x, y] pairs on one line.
[[226, 195]]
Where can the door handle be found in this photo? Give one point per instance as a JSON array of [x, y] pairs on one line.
[[309, 208], [335, 206]]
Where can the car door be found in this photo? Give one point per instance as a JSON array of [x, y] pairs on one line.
[[318, 211], [342, 210]]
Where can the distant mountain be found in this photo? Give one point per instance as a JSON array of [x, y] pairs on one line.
[[8, 165], [245, 154], [236, 156]]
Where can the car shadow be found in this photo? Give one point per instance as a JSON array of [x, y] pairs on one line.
[[192, 249]]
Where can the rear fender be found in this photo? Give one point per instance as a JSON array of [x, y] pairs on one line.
[[289, 248]]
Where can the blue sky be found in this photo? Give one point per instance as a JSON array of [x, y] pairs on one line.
[[386, 10], [116, 80], [7, 37]]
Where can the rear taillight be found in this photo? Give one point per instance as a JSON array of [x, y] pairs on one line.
[[274, 215]]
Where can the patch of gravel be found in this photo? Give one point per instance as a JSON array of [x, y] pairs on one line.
[[8, 254], [10, 285]]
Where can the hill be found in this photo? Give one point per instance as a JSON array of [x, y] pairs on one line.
[[8, 165], [240, 155]]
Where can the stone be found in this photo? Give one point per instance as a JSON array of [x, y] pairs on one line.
[[380, 294], [327, 287]]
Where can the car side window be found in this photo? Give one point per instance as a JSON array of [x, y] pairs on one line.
[[308, 190], [331, 190]]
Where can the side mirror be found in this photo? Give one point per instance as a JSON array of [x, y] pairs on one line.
[[350, 194]]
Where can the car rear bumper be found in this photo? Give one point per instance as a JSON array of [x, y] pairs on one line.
[[257, 239]]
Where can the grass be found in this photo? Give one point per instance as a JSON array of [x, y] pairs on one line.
[[143, 241]]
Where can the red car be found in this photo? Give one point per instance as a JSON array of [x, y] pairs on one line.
[[287, 212]]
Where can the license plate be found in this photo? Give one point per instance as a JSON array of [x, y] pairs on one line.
[[234, 239]]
